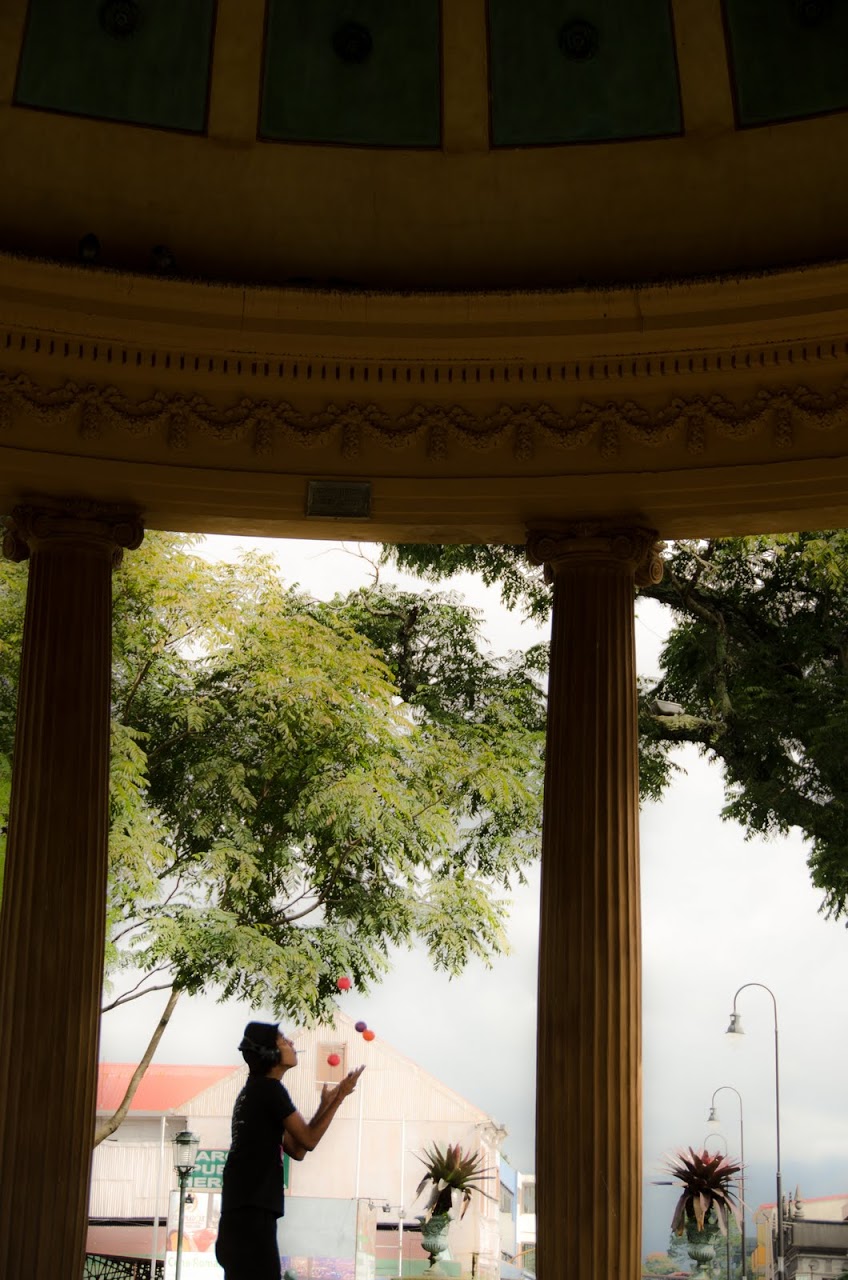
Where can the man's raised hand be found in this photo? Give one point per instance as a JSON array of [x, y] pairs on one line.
[[344, 1087]]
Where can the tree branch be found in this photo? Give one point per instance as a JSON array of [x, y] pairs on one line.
[[122, 933], [125, 999], [134, 992], [136, 683], [109, 1126], [169, 742]]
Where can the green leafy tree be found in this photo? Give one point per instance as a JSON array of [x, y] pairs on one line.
[[757, 659], [523, 586], [294, 793]]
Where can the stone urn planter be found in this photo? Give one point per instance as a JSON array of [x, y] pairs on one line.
[[451, 1175], [702, 1246], [434, 1238]]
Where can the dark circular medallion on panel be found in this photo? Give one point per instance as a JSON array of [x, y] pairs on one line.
[[352, 42], [811, 13], [579, 40], [120, 18]]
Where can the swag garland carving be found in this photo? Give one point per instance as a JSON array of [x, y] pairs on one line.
[[97, 410]]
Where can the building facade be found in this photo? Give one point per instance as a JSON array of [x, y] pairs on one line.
[[816, 1241], [369, 1153]]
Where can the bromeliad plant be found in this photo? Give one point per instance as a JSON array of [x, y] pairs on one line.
[[451, 1173], [707, 1195]]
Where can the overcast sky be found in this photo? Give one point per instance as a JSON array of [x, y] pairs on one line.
[[718, 911]]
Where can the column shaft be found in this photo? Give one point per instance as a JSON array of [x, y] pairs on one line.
[[54, 895], [588, 1142]]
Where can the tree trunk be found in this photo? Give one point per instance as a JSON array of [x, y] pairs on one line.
[[109, 1126]]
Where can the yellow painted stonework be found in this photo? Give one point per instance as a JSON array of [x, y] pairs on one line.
[[710, 407]]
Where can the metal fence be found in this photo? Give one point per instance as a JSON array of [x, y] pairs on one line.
[[100, 1268]]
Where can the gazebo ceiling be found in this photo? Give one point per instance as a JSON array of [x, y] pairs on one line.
[[489, 263], [474, 144]]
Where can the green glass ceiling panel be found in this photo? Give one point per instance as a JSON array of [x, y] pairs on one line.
[[138, 61], [591, 71], [364, 72], [789, 57]]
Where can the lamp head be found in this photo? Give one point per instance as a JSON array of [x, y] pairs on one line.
[[185, 1146], [713, 1120], [735, 1028]]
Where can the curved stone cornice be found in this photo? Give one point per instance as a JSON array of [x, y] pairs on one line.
[[715, 406], [579, 369], [449, 346]]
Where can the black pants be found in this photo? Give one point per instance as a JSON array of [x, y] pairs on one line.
[[247, 1245]]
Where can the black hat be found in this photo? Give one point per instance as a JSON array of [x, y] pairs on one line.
[[260, 1035]]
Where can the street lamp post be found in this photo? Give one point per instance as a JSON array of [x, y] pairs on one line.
[[715, 1134], [735, 1029], [185, 1156], [712, 1118]]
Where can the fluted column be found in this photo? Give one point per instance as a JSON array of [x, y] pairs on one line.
[[588, 1100], [54, 895]]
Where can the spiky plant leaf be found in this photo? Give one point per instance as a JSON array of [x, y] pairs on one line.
[[707, 1179], [452, 1174]]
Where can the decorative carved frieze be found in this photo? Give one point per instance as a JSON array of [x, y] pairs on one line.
[[97, 411]]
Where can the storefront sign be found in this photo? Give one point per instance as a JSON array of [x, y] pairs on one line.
[[208, 1171]]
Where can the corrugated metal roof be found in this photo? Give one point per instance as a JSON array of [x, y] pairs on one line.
[[163, 1088]]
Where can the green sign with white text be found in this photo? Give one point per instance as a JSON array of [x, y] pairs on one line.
[[208, 1171]]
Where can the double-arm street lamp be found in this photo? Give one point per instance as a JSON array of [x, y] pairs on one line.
[[713, 1120], [735, 1029], [185, 1157]]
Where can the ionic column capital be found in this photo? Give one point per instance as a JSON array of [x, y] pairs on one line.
[[631, 547], [50, 522]]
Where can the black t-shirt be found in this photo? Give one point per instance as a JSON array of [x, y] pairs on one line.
[[253, 1173]]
